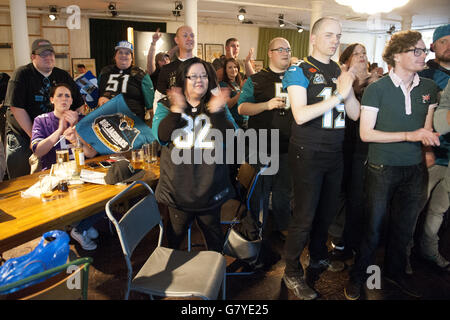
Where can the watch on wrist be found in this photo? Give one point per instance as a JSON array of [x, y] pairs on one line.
[[339, 96]]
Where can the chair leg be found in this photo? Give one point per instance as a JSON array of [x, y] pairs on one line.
[[224, 287]]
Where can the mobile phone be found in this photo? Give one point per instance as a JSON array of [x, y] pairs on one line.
[[93, 165], [105, 164]]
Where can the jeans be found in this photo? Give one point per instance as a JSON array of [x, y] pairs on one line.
[[438, 204], [208, 221], [317, 183], [404, 189], [85, 224], [17, 154], [280, 185]]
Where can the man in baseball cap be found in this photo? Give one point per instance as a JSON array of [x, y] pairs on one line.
[[439, 68]]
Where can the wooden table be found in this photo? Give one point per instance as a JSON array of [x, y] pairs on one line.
[[24, 219]]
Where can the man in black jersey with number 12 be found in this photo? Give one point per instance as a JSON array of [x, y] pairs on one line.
[[320, 95]]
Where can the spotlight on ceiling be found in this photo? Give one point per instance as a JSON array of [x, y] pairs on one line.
[[178, 5], [52, 13], [281, 20], [391, 30], [241, 15], [112, 9], [299, 27]]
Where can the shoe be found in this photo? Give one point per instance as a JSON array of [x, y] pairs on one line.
[[92, 233], [328, 265], [338, 245], [439, 261], [352, 290], [298, 285], [405, 284], [341, 255], [82, 238]]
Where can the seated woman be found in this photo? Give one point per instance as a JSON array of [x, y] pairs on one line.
[[232, 79], [47, 131], [193, 189]]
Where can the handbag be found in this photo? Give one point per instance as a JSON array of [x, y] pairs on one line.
[[237, 246]]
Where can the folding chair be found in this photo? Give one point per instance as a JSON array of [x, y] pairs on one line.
[[65, 283], [167, 272]]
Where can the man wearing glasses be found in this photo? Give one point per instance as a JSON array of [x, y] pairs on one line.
[[320, 95], [396, 121], [263, 99], [26, 98]]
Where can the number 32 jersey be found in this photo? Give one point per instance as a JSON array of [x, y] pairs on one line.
[[326, 132]]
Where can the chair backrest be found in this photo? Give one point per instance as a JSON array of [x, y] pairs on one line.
[[137, 221], [66, 282]]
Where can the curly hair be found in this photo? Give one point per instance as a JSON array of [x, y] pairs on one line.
[[400, 42]]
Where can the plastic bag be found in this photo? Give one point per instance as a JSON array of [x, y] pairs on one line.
[[52, 251]]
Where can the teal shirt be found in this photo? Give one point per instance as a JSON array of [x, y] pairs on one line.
[[392, 117]]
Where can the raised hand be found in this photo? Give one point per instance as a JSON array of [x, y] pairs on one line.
[[345, 82], [156, 36], [217, 102], [177, 100]]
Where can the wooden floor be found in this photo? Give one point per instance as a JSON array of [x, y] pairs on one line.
[[108, 273]]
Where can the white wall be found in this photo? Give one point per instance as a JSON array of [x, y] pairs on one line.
[[218, 34]]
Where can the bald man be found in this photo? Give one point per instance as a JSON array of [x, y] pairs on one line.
[[320, 95], [185, 40], [263, 99]]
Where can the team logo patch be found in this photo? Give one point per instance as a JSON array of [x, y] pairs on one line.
[[426, 98], [319, 79], [312, 70], [116, 131]]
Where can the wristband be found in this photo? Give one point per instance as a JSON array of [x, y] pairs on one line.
[[339, 96]]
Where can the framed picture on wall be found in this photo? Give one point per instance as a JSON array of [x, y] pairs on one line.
[[88, 62], [200, 53], [258, 65], [213, 51]]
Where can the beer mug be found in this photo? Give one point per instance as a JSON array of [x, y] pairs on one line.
[[62, 156], [45, 183]]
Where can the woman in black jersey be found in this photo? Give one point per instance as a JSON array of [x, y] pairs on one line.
[[191, 187]]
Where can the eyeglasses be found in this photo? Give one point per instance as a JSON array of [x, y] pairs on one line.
[[418, 51], [194, 77], [280, 50]]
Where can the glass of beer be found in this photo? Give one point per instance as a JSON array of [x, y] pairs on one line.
[[62, 156], [45, 183]]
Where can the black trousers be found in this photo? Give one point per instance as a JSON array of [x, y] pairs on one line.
[[208, 221], [317, 182]]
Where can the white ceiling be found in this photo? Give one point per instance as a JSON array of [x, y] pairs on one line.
[[426, 13]]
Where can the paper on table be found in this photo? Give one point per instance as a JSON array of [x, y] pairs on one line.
[[35, 189], [92, 176]]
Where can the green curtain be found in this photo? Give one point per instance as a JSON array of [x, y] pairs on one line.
[[299, 42], [105, 34]]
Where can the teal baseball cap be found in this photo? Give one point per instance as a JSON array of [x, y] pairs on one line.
[[441, 31]]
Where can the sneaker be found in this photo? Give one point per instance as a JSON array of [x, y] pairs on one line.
[[439, 261], [82, 238], [298, 285], [405, 284], [326, 264], [352, 290], [92, 233]]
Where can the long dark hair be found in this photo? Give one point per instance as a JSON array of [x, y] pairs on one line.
[[347, 53], [225, 78], [183, 70]]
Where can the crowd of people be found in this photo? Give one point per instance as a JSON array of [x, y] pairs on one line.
[[354, 145]]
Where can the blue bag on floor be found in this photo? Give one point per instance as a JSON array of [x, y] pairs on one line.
[[52, 251]]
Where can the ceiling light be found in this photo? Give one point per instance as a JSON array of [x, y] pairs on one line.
[[372, 7], [178, 5], [241, 15], [281, 20], [112, 9], [53, 12]]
